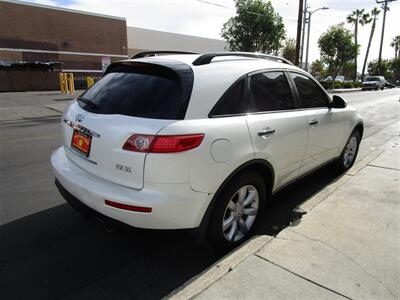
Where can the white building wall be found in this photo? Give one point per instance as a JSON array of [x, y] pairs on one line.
[[140, 39]]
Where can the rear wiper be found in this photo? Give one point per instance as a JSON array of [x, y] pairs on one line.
[[87, 102]]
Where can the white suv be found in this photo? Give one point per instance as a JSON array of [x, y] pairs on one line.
[[199, 141]]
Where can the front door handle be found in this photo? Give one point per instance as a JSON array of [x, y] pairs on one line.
[[266, 133], [313, 122]]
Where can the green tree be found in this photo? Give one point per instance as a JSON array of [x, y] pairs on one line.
[[358, 17], [347, 69], [318, 69], [373, 68], [289, 50], [337, 47], [374, 13], [396, 45], [395, 67], [256, 27]]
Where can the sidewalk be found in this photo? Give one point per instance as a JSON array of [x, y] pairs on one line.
[[347, 245], [32, 105]]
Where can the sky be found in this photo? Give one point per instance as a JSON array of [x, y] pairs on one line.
[[194, 17]]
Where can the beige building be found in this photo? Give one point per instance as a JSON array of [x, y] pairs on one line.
[[140, 39]]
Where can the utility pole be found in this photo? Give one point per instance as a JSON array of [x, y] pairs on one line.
[[303, 33], [308, 37], [385, 7], [298, 38]]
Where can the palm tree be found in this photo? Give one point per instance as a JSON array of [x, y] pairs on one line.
[[374, 13], [358, 17], [396, 45]]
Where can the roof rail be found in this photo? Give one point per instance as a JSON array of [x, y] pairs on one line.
[[157, 53], [207, 58]]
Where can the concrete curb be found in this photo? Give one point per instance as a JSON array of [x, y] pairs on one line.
[[58, 107], [340, 91], [200, 283]]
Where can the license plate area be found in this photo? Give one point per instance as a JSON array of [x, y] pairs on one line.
[[81, 142]]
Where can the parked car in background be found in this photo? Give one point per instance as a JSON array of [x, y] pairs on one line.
[[199, 141], [373, 83], [389, 85], [339, 78], [395, 82]]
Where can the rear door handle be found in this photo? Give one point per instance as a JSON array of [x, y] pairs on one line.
[[266, 132], [313, 122]]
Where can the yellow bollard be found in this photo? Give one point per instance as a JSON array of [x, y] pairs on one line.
[[71, 84], [89, 81], [65, 83], [60, 77]]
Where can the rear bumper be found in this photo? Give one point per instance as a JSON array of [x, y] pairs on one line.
[[174, 206]]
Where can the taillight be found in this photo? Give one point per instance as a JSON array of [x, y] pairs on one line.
[[162, 143], [138, 143]]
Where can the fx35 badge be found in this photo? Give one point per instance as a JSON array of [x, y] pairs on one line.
[[123, 168]]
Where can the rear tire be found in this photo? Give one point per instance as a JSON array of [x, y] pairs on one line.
[[238, 210], [349, 153]]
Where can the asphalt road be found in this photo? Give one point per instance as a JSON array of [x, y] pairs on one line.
[[48, 251]]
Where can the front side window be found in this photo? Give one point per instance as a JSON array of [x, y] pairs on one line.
[[311, 95], [270, 91], [232, 103]]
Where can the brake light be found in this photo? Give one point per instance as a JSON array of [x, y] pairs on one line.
[[162, 143]]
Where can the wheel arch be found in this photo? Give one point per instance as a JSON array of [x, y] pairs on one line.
[[263, 167], [360, 127]]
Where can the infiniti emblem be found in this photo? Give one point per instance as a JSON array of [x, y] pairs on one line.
[[79, 117]]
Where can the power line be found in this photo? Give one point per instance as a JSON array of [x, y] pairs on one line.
[[215, 4], [232, 8]]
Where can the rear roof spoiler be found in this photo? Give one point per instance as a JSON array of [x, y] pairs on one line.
[[158, 53], [208, 57]]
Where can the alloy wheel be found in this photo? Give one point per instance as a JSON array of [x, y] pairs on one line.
[[240, 213], [350, 152]]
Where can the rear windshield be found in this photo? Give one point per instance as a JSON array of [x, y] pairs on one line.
[[142, 91], [372, 79]]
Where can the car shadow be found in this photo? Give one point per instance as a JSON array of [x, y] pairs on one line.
[[56, 254], [284, 211]]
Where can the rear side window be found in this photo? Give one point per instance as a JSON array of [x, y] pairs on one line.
[[311, 95], [142, 91], [232, 102], [270, 92]]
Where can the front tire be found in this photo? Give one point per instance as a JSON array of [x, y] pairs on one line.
[[349, 153], [238, 210]]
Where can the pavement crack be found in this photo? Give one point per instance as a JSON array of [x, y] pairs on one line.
[[348, 257], [302, 277], [285, 239], [381, 167]]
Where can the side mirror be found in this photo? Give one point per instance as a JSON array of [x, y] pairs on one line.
[[337, 102]]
